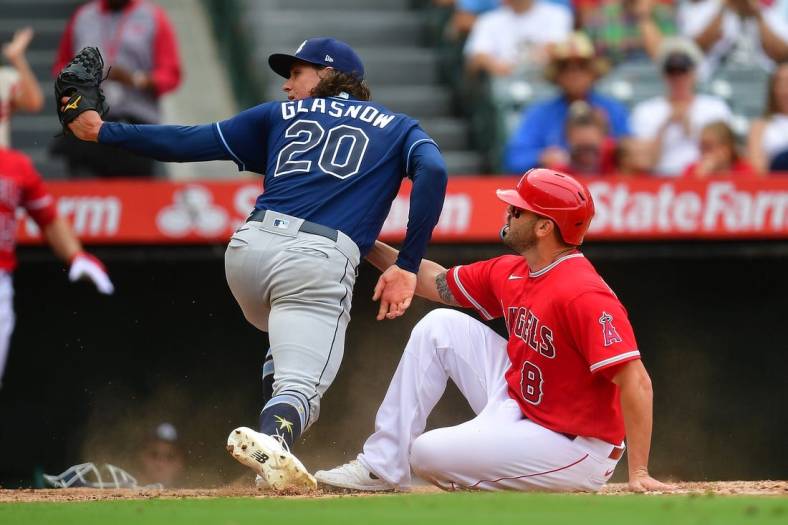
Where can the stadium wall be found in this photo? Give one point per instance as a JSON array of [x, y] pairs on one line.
[[88, 374]]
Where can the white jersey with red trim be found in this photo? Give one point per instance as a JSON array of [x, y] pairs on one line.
[[20, 187], [9, 81], [567, 333]]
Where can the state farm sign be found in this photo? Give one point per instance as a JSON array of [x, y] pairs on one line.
[[89, 215], [161, 212], [715, 209]]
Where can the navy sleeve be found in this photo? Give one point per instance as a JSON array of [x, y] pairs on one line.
[[425, 165], [245, 136], [165, 143]]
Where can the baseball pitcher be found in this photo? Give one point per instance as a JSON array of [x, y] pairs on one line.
[[333, 162]]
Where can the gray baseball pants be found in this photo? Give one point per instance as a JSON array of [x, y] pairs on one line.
[[298, 287]]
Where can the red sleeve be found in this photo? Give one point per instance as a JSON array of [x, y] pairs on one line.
[[166, 74], [36, 199], [743, 168], [474, 286], [689, 171], [602, 331], [65, 51], [608, 163]]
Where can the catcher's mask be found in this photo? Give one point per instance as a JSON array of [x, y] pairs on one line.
[[89, 475]]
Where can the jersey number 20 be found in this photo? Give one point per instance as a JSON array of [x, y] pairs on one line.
[[343, 149]]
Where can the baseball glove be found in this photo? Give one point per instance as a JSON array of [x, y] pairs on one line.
[[80, 81]]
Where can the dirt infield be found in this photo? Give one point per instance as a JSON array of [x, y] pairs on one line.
[[723, 488]]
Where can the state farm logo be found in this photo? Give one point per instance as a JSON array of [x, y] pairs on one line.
[[93, 216], [192, 211], [720, 208]]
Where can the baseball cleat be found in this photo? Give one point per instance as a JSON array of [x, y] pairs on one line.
[[353, 476], [261, 483], [270, 459]]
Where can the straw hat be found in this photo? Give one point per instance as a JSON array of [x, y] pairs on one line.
[[678, 52], [577, 47]]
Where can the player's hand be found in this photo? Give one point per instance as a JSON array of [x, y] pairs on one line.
[[85, 266], [640, 481], [395, 289], [86, 126], [15, 49]]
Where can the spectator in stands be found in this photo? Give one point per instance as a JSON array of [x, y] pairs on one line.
[[465, 14], [634, 157], [672, 122], [768, 136], [736, 31], [540, 139], [719, 154], [19, 89], [514, 34], [628, 30], [160, 457], [467, 11], [138, 43], [779, 165], [590, 149]]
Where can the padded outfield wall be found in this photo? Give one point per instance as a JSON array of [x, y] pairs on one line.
[[87, 374]]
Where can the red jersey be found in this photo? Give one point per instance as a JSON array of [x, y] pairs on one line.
[[567, 332], [20, 186], [740, 168]]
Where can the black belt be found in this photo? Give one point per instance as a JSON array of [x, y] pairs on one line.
[[306, 226]]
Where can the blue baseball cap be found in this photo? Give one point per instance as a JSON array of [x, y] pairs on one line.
[[321, 51]]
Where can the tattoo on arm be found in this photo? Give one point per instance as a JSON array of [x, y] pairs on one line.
[[444, 291]]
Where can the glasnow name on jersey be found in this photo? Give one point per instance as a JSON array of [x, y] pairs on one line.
[[336, 108]]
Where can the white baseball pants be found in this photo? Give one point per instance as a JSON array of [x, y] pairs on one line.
[[499, 449], [7, 318]]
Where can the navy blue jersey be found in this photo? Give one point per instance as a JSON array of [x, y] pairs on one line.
[[334, 161]]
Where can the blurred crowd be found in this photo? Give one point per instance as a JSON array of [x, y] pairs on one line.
[[572, 46], [138, 41], [684, 130]]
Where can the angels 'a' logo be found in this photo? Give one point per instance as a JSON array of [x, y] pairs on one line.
[[608, 330]]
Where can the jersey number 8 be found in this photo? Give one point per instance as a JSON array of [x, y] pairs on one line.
[[343, 149], [531, 382]]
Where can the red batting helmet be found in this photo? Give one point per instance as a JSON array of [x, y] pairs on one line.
[[557, 196]]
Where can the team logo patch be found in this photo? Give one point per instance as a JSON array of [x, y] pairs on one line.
[[284, 424], [608, 330]]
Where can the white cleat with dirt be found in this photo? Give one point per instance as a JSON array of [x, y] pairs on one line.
[[352, 476], [270, 459], [261, 483]]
